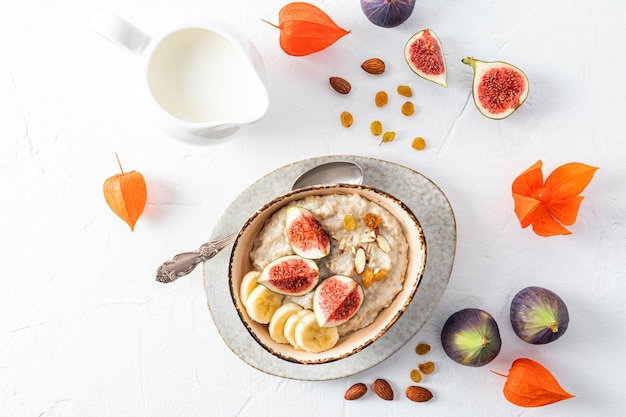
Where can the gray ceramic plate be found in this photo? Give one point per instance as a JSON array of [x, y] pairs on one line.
[[421, 195]]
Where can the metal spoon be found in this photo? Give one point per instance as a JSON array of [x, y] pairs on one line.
[[329, 173]]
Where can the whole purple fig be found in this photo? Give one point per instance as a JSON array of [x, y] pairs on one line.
[[471, 337], [387, 13], [538, 315]]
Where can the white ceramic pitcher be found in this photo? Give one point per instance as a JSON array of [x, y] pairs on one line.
[[203, 78]]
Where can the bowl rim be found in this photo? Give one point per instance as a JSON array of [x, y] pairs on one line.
[[284, 199]]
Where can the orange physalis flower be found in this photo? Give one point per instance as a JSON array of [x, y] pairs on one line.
[[550, 205], [530, 384]]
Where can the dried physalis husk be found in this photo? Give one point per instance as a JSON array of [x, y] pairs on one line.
[[408, 108], [381, 99], [376, 127], [422, 348], [126, 195], [346, 119], [418, 144], [405, 90], [427, 367]]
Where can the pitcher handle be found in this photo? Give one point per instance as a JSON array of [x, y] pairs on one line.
[[119, 31]]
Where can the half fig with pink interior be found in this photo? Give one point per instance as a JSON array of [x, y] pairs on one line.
[[498, 88], [424, 54], [305, 234], [290, 275], [336, 300]]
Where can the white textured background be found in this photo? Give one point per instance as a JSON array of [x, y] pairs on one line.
[[85, 330]]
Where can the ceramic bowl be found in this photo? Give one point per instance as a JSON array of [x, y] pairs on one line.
[[352, 343]]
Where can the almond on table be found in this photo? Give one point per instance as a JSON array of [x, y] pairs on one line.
[[374, 66]]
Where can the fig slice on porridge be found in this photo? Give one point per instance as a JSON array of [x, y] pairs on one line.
[[336, 300], [305, 234], [290, 275]]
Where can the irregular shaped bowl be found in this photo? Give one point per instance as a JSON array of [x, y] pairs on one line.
[[354, 342]]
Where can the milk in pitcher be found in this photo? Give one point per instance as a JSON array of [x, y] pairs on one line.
[[198, 76]]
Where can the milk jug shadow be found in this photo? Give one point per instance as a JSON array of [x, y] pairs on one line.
[[203, 80]]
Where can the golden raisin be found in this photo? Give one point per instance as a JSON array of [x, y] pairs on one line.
[[416, 376], [367, 277], [389, 136], [381, 99], [418, 144], [405, 90], [346, 119], [372, 220], [349, 223], [408, 108], [376, 128], [427, 367], [379, 274], [422, 348]]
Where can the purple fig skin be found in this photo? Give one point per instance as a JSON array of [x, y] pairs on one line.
[[538, 315], [387, 13], [471, 337]]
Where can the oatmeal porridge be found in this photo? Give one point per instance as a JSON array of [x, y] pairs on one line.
[[367, 244]]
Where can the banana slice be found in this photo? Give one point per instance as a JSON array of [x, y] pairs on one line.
[[248, 283], [262, 303], [313, 338], [292, 323], [277, 323]]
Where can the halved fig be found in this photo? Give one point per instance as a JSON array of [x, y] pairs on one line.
[[305, 234], [498, 88], [336, 300], [424, 54], [290, 275]]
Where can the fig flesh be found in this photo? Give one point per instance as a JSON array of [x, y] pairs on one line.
[[336, 300], [290, 275], [538, 315], [305, 234], [471, 337], [424, 54], [498, 88], [387, 13]]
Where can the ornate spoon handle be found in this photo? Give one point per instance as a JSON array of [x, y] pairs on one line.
[[183, 263]]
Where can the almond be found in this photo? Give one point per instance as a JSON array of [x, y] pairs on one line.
[[383, 389], [340, 85], [373, 66], [418, 394], [355, 392], [383, 244], [360, 260]]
